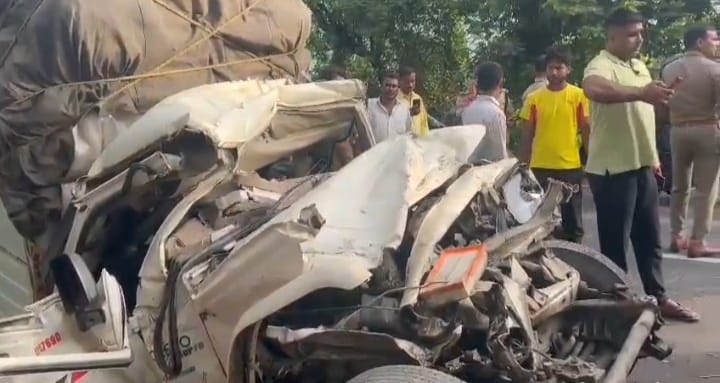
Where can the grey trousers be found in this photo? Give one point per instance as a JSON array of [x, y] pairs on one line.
[[695, 150]]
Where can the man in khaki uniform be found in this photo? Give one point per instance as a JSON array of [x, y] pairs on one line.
[[507, 107], [695, 138]]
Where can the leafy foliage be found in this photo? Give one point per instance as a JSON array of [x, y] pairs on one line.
[[372, 36], [443, 39]]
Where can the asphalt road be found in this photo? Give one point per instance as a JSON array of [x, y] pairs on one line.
[[695, 283]]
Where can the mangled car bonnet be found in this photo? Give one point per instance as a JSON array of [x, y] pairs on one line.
[[262, 121], [237, 126], [365, 208]]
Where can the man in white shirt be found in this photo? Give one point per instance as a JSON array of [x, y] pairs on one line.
[[486, 110], [388, 116], [540, 78]]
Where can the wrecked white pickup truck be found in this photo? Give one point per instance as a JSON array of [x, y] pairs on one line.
[[257, 263]]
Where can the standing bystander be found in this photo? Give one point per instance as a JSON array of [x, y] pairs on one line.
[[464, 100], [344, 149], [414, 102], [554, 116], [694, 137], [502, 97], [388, 116], [486, 110], [622, 157], [540, 78], [507, 107]]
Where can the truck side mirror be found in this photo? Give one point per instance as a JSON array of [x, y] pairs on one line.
[[77, 290], [77, 351]]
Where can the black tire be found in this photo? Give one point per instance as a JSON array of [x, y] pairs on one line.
[[404, 374], [596, 269]]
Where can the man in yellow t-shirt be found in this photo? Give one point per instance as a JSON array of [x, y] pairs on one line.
[[421, 122], [553, 118]]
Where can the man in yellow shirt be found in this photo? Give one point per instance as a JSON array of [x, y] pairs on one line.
[[554, 115], [408, 79]]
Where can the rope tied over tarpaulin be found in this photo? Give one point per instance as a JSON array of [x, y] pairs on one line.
[[155, 73]]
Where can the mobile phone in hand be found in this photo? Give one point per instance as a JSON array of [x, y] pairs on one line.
[[415, 109]]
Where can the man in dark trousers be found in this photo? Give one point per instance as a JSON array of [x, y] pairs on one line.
[[554, 116], [622, 157]]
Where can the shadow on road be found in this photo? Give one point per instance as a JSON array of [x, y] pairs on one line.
[[696, 283]]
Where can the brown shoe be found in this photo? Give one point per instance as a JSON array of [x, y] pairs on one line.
[[698, 249], [678, 244], [675, 311]]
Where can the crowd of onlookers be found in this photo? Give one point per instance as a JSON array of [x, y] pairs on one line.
[[603, 134]]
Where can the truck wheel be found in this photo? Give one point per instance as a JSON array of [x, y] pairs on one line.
[[404, 374], [597, 270]]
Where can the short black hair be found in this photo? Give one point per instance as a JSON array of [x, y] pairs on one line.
[[695, 33], [406, 71], [622, 17], [555, 54], [332, 71], [489, 75], [540, 65], [389, 74]]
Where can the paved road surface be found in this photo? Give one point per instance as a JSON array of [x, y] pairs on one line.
[[695, 283]]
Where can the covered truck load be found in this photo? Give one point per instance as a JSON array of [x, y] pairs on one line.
[[74, 73]]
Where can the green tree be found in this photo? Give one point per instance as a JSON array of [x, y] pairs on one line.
[[527, 27], [444, 39], [371, 36]]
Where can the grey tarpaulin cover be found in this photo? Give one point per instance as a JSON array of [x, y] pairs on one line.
[[73, 72]]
